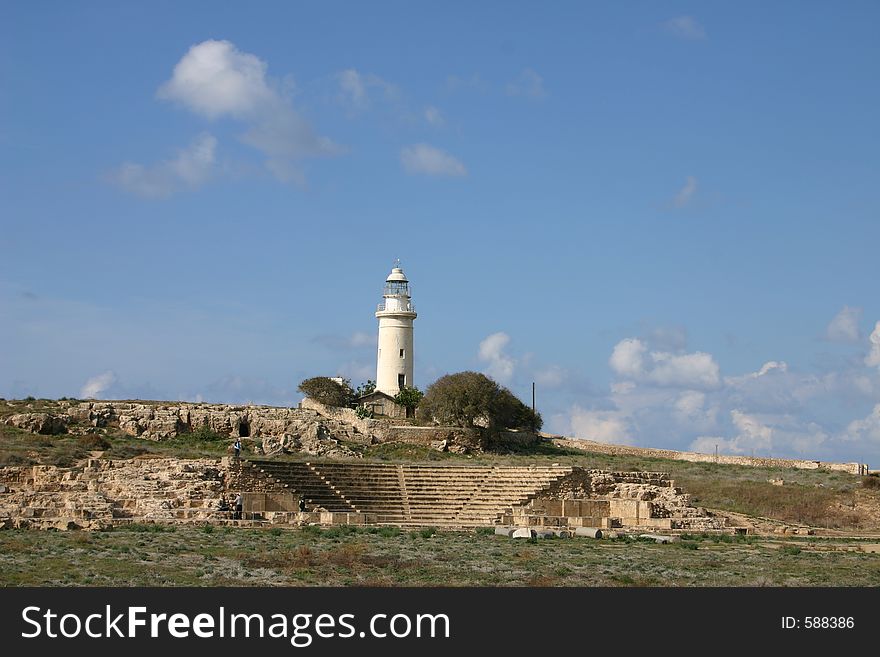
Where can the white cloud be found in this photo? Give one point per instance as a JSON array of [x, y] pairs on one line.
[[695, 370], [528, 83], [873, 357], [500, 366], [685, 27], [192, 167], [690, 410], [422, 158], [434, 116], [215, 80], [97, 385], [600, 426], [686, 194], [845, 326], [628, 358], [766, 435], [865, 429], [687, 370]]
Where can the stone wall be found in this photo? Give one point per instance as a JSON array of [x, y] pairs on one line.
[[270, 430], [100, 492], [801, 464]]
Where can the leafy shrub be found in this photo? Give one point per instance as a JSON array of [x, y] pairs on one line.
[[328, 392], [409, 397], [468, 399], [363, 412]]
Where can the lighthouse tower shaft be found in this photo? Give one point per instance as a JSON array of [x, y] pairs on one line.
[[396, 313]]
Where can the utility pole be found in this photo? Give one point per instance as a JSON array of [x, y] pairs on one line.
[[533, 398]]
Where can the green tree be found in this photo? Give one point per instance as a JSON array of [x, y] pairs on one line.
[[328, 392], [409, 397], [470, 398], [365, 388]]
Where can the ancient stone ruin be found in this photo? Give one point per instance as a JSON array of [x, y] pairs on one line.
[[311, 428], [102, 493]]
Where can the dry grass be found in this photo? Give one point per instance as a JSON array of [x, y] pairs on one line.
[[188, 556]]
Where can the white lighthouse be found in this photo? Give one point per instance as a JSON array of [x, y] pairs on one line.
[[396, 313]]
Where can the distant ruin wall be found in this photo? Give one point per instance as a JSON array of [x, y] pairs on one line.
[[800, 464]]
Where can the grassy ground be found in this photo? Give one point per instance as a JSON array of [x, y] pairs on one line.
[[160, 555]]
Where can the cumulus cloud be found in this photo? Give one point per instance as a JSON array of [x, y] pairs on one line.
[[528, 83], [845, 326], [677, 399], [766, 435], [873, 357], [686, 194], [865, 429], [630, 359], [192, 167], [214, 79], [690, 409], [97, 385], [685, 27], [431, 161], [500, 366], [600, 426], [698, 370]]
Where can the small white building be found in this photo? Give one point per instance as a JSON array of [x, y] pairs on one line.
[[394, 368]]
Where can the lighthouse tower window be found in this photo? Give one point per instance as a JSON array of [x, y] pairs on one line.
[[401, 380], [402, 353]]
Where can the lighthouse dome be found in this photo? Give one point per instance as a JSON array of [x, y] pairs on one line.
[[396, 276]]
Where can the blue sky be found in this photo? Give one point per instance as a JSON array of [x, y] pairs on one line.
[[666, 214]]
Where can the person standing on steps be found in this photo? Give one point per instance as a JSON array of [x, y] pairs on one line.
[[238, 507], [237, 447]]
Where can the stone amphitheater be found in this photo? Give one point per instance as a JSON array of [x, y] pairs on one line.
[[101, 493]]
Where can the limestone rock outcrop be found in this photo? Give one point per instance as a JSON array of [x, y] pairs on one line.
[[42, 423]]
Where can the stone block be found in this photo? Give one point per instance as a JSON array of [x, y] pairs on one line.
[[553, 507], [504, 531], [588, 532], [522, 532], [571, 508]]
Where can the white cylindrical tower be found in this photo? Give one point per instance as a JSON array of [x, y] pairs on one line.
[[396, 313]]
